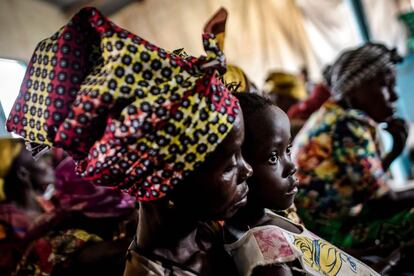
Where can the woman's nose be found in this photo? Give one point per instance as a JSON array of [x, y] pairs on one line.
[[245, 171]]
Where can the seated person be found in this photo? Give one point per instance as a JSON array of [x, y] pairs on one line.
[[260, 241], [22, 182], [284, 89], [343, 194], [88, 231]]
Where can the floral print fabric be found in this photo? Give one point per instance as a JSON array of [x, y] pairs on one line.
[[339, 166]]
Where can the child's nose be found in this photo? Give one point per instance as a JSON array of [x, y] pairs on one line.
[[289, 168]]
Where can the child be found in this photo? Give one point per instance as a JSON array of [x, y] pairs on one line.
[[260, 241]]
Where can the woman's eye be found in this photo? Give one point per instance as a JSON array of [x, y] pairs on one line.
[[274, 158], [232, 165]]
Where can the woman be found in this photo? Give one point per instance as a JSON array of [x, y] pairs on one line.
[[22, 181], [343, 193], [138, 118]]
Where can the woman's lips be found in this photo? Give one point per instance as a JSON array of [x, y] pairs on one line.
[[243, 198]]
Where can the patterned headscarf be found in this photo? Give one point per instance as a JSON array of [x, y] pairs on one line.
[[9, 150], [235, 79], [356, 66], [134, 116], [285, 84]]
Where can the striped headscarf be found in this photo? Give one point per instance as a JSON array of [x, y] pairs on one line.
[[134, 116], [356, 66]]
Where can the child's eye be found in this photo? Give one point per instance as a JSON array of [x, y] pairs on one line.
[[289, 150], [274, 158]]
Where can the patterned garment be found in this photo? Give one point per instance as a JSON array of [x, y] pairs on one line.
[[272, 245], [339, 170], [53, 250], [14, 225], [235, 78], [134, 116]]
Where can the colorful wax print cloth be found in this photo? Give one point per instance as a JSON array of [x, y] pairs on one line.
[[339, 170], [132, 115], [272, 245]]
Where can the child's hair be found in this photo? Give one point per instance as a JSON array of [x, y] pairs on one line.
[[252, 104]]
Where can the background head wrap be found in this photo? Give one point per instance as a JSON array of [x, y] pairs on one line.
[[353, 67], [9, 150], [134, 116], [285, 84]]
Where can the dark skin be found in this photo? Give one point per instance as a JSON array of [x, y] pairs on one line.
[[273, 185], [216, 190]]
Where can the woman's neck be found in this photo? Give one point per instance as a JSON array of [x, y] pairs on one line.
[[247, 217], [165, 232]]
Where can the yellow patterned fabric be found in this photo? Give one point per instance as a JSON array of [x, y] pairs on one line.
[[285, 84], [234, 79], [9, 150], [134, 116]]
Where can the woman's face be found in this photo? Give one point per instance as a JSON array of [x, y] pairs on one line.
[[217, 189], [273, 184], [377, 97]]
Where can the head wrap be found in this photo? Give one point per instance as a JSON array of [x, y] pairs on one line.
[[285, 84], [9, 150], [235, 79], [134, 116], [356, 66]]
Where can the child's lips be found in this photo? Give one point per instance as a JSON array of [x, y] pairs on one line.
[[293, 187]]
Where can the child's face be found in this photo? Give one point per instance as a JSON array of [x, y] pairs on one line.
[[273, 184]]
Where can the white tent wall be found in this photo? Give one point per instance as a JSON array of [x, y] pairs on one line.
[[23, 23], [260, 35], [331, 26], [384, 25]]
